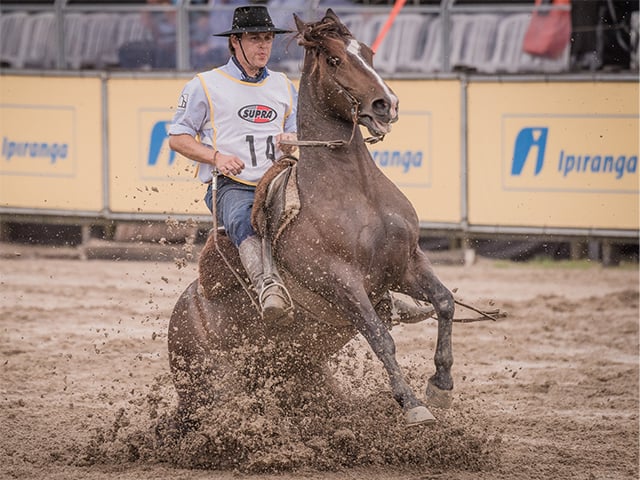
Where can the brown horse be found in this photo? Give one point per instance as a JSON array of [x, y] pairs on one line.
[[354, 239]]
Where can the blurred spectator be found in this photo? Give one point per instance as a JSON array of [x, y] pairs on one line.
[[160, 50], [601, 34], [208, 51]]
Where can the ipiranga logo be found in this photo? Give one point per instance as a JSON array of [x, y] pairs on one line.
[[16, 150], [571, 153], [529, 139], [158, 143], [157, 161]]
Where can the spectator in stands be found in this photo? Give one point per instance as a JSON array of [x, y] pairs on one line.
[[209, 50], [159, 51], [601, 34]]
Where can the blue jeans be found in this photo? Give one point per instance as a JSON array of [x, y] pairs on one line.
[[234, 202]]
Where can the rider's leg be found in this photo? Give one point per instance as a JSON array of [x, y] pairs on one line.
[[234, 202], [273, 299]]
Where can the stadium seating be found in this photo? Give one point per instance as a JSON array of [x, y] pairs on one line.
[[101, 45], [76, 36], [40, 49], [480, 42], [401, 39], [635, 39], [91, 39], [508, 56], [413, 47], [15, 30], [477, 42]]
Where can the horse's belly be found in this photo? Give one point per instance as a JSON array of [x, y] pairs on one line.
[[316, 307]]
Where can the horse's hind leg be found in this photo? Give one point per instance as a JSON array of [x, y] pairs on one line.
[[189, 357], [424, 278]]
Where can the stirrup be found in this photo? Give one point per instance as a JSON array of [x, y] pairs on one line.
[[271, 283]]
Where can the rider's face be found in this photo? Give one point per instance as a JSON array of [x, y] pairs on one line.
[[257, 49]]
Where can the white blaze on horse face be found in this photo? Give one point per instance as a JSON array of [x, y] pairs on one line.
[[354, 49]]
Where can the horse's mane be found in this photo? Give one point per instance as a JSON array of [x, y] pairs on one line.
[[328, 27]]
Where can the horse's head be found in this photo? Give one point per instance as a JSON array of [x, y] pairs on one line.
[[341, 70]]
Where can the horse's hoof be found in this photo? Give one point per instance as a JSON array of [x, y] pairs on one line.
[[438, 398], [419, 416]]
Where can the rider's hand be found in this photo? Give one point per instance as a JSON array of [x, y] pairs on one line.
[[228, 164]]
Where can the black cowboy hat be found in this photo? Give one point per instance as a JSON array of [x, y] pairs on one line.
[[252, 18]]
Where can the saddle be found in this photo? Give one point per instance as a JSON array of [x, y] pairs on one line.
[[276, 201]]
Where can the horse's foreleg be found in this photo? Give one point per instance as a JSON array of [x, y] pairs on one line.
[[377, 335], [442, 300]]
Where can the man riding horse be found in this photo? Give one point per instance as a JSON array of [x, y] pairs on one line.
[[232, 120], [236, 120], [354, 238]]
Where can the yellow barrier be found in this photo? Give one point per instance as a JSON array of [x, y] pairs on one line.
[[553, 155], [421, 155], [539, 155], [145, 176], [51, 130]]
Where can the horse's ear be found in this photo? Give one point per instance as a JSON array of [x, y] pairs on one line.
[[300, 25], [331, 14]]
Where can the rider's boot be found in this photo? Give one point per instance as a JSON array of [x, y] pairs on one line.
[[272, 295]]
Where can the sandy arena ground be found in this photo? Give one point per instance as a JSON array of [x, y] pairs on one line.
[[550, 392]]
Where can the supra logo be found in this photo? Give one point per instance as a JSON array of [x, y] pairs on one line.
[[529, 138], [257, 114], [159, 135]]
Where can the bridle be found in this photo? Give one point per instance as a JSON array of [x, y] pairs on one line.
[[355, 110]]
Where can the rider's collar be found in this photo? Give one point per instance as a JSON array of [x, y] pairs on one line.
[[262, 73]]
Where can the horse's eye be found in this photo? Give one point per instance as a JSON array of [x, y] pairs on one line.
[[333, 61]]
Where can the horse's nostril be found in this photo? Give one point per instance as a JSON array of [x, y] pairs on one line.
[[380, 107]]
